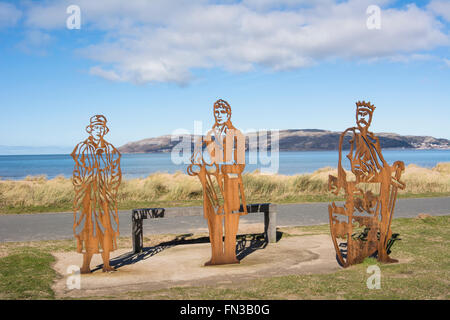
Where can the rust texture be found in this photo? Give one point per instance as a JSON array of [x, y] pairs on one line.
[[362, 227], [96, 180], [218, 161]]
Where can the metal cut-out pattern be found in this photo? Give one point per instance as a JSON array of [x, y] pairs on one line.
[[96, 180], [370, 195], [220, 173]]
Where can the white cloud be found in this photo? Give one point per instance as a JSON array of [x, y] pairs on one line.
[[107, 14], [35, 42], [46, 16], [447, 62], [163, 41], [109, 75], [412, 57], [440, 8], [276, 4], [9, 15]]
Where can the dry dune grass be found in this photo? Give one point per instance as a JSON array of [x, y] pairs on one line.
[[57, 193], [36, 191]]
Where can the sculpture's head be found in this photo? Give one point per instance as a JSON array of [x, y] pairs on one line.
[[97, 128], [222, 112], [364, 113]]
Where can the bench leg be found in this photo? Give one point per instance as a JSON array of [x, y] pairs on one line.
[[270, 226], [137, 236]]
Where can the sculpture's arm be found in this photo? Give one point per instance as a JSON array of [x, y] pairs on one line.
[[80, 176], [379, 159], [235, 141], [111, 177], [116, 171], [197, 158], [239, 150], [82, 180], [335, 184], [398, 168]]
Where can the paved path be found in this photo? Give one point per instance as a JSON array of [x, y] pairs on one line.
[[53, 226]]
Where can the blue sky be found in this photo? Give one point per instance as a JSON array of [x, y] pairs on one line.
[[155, 66]]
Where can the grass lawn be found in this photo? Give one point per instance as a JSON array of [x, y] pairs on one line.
[[26, 273]]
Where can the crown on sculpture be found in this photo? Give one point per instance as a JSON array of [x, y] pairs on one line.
[[366, 105]]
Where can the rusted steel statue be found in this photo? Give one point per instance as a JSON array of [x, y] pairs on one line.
[[96, 179], [220, 173], [370, 195]]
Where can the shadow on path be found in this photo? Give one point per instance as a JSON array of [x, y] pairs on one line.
[[245, 244]]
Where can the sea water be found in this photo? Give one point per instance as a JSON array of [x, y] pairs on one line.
[[141, 165]]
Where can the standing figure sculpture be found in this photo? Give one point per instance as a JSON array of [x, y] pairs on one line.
[[220, 174], [370, 195], [96, 179]]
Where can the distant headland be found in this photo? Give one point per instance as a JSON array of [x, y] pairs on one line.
[[298, 140]]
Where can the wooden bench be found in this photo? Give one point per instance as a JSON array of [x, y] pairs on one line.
[[138, 215]]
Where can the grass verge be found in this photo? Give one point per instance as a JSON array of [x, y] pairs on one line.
[[27, 274], [423, 274], [424, 271]]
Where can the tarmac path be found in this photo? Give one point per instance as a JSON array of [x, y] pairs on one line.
[[55, 226]]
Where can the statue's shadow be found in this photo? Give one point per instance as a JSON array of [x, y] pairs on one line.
[[245, 245], [343, 248]]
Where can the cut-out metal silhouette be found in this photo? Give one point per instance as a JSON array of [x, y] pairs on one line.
[[371, 195], [96, 180], [218, 161]]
